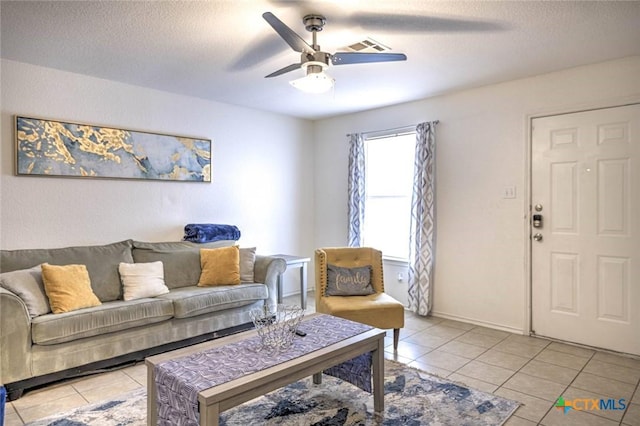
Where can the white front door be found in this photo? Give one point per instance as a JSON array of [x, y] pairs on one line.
[[585, 260]]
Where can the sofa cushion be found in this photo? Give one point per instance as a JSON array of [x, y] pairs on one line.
[[68, 287], [140, 280], [180, 259], [107, 318], [220, 266], [28, 285], [193, 301], [101, 262]]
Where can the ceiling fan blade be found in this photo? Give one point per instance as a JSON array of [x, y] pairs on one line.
[[294, 40], [284, 70], [344, 58]]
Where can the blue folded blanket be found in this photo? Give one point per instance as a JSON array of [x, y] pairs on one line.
[[208, 232]]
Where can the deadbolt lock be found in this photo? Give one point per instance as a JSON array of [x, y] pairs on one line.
[[537, 221]]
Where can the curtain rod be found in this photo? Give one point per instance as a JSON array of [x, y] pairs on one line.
[[395, 129]]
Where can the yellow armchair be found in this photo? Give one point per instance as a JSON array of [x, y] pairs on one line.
[[377, 310]]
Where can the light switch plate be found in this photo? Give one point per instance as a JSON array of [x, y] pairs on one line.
[[509, 192]]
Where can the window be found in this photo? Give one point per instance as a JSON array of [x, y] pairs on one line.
[[389, 184]]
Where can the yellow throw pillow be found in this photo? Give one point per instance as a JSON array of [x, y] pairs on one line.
[[220, 266], [68, 287]]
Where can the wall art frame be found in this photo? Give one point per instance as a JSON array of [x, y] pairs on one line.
[[64, 149]]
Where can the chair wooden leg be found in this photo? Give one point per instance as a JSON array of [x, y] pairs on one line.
[[396, 337]]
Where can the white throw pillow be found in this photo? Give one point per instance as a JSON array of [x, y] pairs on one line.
[[141, 280]]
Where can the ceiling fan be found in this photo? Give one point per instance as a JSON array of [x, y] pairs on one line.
[[313, 60]]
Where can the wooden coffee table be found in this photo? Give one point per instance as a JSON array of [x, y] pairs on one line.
[[214, 400]]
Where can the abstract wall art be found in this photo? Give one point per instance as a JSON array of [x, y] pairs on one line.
[[55, 148]]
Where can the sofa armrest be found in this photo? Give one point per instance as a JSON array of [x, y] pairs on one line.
[[266, 270], [15, 338]]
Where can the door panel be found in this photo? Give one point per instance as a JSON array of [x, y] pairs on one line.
[[564, 283], [585, 262], [613, 288], [564, 197], [613, 215]]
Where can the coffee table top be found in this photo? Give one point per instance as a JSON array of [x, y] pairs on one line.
[[218, 364], [182, 374], [230, 370]]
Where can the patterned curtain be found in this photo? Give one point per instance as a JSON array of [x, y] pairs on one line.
[[421, 240], [356, 189]]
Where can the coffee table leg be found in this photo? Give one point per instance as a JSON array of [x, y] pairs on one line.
[[152, 410], [378, 377], [303, 285], [317, 378], [210, 416]]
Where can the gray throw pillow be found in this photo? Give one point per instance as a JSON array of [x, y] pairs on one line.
[[348, 281], [27, 284], [247, 263]]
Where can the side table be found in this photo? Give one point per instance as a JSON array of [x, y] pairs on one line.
[[295, 262]]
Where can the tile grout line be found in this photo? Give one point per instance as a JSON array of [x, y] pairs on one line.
[[476, 359], [532, 358], [572, 381], [609, 378], [524, 393], [451, 340], [626, 411], [80, 393], [568, 385]]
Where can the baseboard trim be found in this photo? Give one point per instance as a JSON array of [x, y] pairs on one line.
[[487, 324]]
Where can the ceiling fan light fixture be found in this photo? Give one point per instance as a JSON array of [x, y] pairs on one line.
[[314, 61], [316, 81]]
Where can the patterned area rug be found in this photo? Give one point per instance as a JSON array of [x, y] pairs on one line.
[[412, 398]]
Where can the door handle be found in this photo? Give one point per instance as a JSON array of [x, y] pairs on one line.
[[537, 237]]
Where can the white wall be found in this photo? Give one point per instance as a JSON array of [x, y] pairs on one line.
[[266, 184], [262, 169], [481, 147]]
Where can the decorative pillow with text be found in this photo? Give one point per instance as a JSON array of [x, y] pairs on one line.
[[348, 281]]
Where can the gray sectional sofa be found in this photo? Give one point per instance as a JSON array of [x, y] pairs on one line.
[[38, 348]]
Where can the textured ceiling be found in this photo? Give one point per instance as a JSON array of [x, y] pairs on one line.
[[221, 50]]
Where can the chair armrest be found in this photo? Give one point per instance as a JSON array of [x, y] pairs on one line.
[[15, 338], [266, 270]]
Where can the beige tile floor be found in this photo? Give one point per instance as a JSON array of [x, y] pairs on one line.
[[530, 370]]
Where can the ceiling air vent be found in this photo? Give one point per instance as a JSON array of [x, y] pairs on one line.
[[367, 45]]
